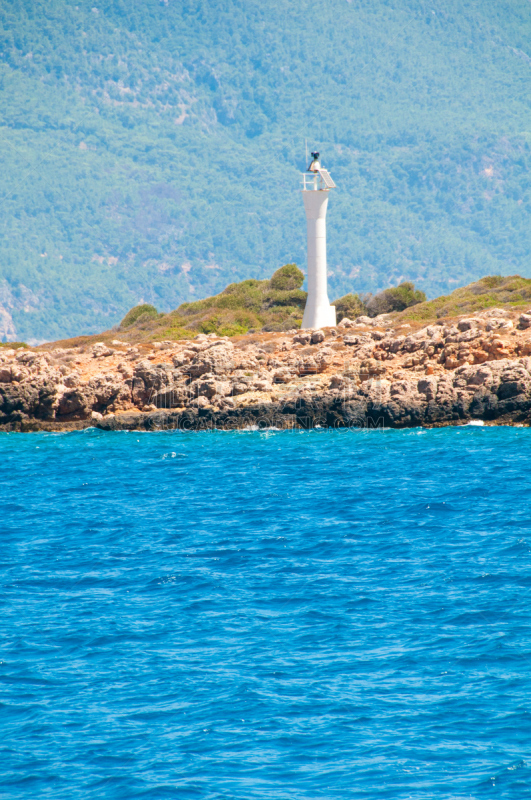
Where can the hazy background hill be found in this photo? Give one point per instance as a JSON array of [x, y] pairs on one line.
[[150, 151]]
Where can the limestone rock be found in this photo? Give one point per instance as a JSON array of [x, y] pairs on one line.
[[263, 386], [352, 340], [199, 402], [412, 343], [486, 374], [6, 373], [468, 335], [182, 358], [315, 363], [100, 350], [397, 344], [370, 368], [469, 323], [339, 381], [25, 356], [499, 323], [211, 387], [107, 389], [381, 319], [72, 380], [76, 401], [153, 376], [475, 376], [428, 387], [494, 312], [283, 375], [317, 336], [324, 357]]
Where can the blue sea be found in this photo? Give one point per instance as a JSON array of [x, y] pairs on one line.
[[276, 614]]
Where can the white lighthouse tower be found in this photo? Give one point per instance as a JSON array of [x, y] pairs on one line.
[[317, 183]]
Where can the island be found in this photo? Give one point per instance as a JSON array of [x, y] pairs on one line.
[[425, 366]]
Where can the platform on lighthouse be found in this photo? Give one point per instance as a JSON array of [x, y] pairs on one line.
[[317, 180]]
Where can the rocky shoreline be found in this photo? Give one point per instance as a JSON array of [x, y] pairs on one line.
[[367, 373]]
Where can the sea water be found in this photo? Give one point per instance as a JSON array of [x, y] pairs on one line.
[[268, 614]]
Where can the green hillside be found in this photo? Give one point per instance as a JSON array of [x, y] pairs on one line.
[[150, 152]]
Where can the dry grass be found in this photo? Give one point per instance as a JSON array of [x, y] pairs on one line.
[[490, 292]]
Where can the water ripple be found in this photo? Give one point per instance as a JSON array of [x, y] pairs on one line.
[[266, 614]]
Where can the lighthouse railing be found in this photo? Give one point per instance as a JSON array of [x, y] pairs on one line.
[[312, 181]]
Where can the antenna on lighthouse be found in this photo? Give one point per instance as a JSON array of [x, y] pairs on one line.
[[317, 183]]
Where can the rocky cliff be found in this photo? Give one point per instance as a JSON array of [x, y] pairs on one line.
[[368, 372]]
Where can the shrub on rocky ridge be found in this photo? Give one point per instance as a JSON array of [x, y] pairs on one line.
[[275, 304], [287, 277], [397, 298], [350, 306], [139, 314]]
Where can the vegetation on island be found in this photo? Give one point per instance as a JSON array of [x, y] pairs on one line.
[[142, 313], [396, 298], [251, 306], [493, 291], [273, 305], [489, 292]]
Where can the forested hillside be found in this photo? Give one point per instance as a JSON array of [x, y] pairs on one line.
[[150, 151]]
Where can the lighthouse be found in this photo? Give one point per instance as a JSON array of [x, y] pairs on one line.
[[317, 183]]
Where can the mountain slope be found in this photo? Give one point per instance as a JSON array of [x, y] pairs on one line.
[[150, 152]]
